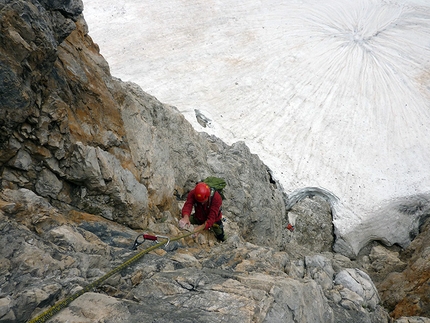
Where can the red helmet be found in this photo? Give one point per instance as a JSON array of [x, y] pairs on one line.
[[202, 192]]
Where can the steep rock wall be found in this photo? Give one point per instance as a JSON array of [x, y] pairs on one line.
[[80, 148], [75, 135]]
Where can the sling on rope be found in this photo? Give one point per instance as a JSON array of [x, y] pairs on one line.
[[64, 303]]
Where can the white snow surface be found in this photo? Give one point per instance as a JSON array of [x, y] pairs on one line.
[[330, 94]]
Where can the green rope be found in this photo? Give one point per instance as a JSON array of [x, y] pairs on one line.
[[64, 303]]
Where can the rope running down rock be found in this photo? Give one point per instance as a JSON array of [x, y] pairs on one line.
[[64, 303]]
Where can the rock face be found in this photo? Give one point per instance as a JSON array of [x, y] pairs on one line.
[[404, 281], [48, 256], [87, 162], [73, 134]]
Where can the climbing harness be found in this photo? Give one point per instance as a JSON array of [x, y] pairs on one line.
[[142, 237], [64, 303]]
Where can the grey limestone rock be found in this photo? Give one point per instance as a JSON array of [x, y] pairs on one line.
[[87, 162]]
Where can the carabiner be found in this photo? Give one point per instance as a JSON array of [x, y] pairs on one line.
[[144, 236], [164, 237]]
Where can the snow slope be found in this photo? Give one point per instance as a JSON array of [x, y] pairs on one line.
[[330, 94]]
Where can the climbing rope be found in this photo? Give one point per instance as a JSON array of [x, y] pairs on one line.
[[64, 303]]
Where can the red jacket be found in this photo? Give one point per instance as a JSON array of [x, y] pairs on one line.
[[203, 212]]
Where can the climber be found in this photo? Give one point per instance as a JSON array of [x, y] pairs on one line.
[[207, 214]]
